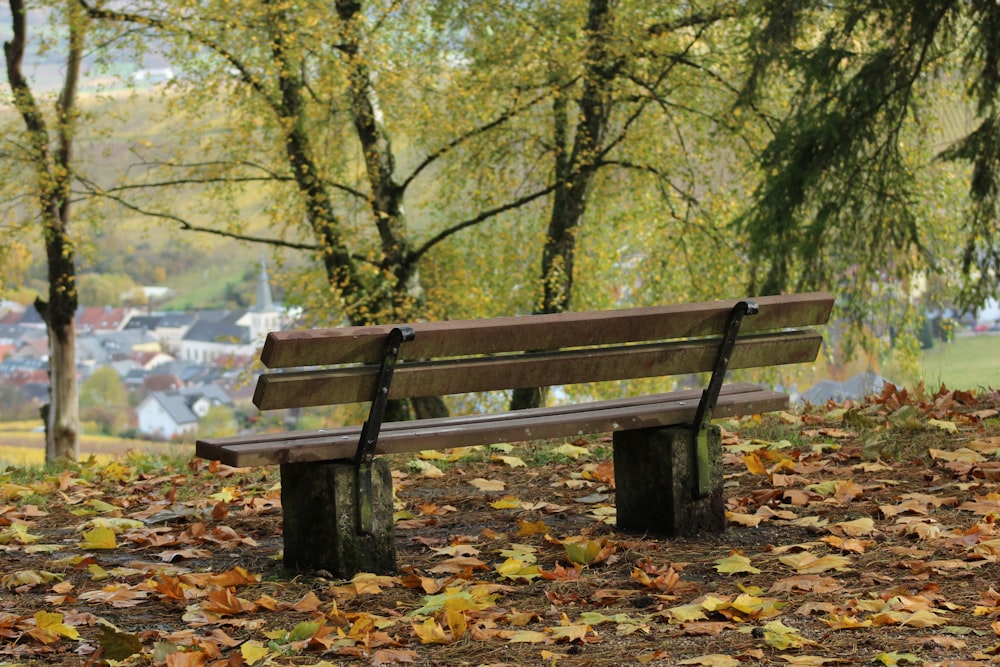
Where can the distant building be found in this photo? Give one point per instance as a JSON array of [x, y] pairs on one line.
[[168, 328], [174, 414], [218, 335], [101, 319]]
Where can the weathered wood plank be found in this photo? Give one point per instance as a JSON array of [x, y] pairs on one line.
[[208, 448], [518, 426], [317, 347], [438, 378]]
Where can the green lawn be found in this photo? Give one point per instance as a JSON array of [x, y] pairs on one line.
[[969, 362]]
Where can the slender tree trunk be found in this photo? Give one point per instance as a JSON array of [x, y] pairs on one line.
[[53, 174], [405, 300], [574, 173]]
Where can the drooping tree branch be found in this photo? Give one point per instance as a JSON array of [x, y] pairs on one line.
[[187, 225], [480, 217]]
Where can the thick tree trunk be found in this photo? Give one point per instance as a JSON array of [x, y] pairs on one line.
[[62, 438]]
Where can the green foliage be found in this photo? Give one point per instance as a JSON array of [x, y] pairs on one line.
[[103, 388], [104, 289], [220, 420], [852, 195]]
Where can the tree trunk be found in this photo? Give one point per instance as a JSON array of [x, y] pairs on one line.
[[574, 173], [53, 173], [62, 429]]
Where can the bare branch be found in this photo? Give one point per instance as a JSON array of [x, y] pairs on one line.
[[415, 256], [151, 22], [188, 226], [475, 132]]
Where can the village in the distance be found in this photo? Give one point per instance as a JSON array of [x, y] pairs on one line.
[[175, 366]]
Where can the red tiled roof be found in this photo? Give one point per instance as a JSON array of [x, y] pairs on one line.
[[101, 318]]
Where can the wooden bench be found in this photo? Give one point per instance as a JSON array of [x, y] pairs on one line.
[[337, 495]]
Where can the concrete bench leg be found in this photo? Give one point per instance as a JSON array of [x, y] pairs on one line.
[[656, 482], [320, 520]]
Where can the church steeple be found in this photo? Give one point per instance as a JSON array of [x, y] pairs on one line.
[[265, 303]]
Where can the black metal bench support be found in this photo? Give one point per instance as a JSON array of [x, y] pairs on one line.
[[703, 417], [668, 481], [370, 429], [338, 515]]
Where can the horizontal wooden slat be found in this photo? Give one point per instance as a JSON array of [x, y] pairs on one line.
[[207, 447], [317, 347], [357, 384], [542, 423]]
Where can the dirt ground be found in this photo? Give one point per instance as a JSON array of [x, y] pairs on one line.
[[857, 534]]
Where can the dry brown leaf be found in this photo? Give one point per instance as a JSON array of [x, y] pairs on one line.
[[806, 583], [490, 485], [852, 544], [706, 628], [855, 528]]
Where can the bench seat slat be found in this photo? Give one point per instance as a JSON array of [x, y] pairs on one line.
[[318, 347], [208, 448], [597, 417], [357, 384]]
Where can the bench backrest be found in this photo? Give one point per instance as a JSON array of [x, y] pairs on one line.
[[461, 356]]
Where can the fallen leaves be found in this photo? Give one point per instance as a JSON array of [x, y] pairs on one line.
[[827, 544]]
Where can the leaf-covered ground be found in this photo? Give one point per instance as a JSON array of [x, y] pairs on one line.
[[858, 534]]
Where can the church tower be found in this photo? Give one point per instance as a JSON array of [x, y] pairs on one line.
[[264, 316]]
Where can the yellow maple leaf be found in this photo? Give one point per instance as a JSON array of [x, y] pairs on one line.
[[457, 621], [514, 568], [506, 503], [572, 451], [511, 461], [735, 563], [99, 538], [951, 427], [28, 578], [49, 627], [524, 637], [582, 550], [807, 563], [17, 532], [431, 632], [569, 633], [753, 463], [686, 613], [529, 528], [253, 650], [782, 636]]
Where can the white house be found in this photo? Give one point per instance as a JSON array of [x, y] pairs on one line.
[[173, 414]]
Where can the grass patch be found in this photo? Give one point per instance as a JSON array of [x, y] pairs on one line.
[[27, 448], [969, 362]]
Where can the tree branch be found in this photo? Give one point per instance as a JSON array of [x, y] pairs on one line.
[[188, 226], [125, 17], [475, 132], [704, 18], [415, 256]]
